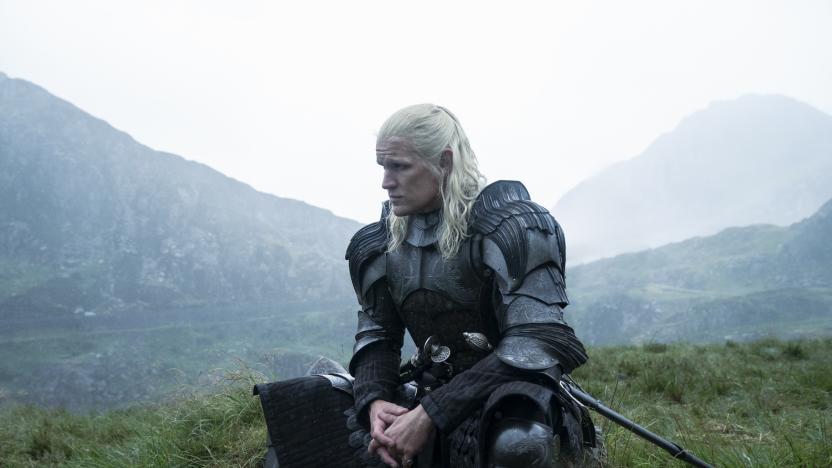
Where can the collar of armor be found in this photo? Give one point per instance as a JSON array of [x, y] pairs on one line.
[[422, 228]]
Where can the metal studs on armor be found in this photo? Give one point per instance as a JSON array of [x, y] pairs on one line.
[[477, 341], [440, 354]]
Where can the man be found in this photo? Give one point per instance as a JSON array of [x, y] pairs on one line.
[[477, 274]]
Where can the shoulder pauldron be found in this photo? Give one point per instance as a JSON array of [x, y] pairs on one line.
[[369, 242], [503, 213]]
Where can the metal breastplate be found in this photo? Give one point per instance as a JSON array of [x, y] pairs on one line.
[[435, 296]]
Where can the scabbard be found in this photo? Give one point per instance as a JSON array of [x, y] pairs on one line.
[[674, 449]]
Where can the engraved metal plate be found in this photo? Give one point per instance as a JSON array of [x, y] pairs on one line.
[[440, 354], [477, 341]]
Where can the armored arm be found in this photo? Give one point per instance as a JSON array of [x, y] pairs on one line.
[[523, 247], [377, 349], [380, 333], [529, 307]]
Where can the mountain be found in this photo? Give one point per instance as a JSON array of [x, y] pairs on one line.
[[756, 159], [741, 283], [126, 273], [93, 221]]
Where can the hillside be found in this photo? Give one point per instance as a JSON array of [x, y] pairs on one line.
[[126, 272], [742, 283], [756, 159], [93, 221], [765, 403]]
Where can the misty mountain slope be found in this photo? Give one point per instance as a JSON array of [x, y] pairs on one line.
[[756, 159], [90, 219], [740, 283]]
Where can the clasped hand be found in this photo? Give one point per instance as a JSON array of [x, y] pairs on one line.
[[398, 434]]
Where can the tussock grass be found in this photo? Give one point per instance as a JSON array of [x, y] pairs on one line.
[[765, 403], [220, 429]]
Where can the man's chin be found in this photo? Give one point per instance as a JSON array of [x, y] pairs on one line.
[[400, 211]]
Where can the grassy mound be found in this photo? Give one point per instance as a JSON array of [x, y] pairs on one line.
[[766, 403], [222, 429]]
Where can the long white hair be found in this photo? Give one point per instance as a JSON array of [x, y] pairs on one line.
[[432, 129]]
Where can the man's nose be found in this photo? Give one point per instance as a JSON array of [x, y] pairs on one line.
[[388, 181]]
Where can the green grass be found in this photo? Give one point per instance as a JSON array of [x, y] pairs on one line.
[[222, 429], [92, 363], [765, 403]]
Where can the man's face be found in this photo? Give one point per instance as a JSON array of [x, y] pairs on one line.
[[409, 182]]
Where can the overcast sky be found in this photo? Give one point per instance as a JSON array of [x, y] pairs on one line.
[[287, 96]]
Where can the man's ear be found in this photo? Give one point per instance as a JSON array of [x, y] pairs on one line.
[[446, 161]]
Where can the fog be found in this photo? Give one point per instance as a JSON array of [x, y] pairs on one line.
[[287, 97], [159, 270]]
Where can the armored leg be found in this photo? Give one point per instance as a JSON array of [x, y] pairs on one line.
[[521, 435]]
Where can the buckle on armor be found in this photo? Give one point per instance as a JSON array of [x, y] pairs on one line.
[[428, 367]]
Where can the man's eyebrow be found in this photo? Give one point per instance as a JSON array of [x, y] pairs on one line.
[[382, 158]]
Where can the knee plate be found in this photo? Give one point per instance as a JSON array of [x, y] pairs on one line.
[[519, 442]]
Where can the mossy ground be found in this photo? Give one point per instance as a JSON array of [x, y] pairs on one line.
[[765, 403]]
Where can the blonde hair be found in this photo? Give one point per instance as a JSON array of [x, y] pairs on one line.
[[431, 130]]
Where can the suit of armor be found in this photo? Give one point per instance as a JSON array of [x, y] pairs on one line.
[[506, 282], [492, 407]]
